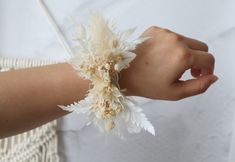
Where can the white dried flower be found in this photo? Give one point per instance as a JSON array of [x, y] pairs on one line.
[[101, 53]]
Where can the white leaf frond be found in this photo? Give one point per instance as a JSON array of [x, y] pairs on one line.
[[100, 50]]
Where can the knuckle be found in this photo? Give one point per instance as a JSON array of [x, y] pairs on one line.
[[152, 28], [182, 54], [205, 46], [174, 37], [167, 31], [212, 59]]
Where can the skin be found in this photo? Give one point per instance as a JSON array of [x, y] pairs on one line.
[[29, 97], [161, 61]]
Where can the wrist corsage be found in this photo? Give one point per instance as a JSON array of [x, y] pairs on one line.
[[101, 53]]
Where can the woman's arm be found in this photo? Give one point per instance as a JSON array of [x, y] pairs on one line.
[[29, 97]]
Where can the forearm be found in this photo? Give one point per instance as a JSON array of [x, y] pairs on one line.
[[29, 97]]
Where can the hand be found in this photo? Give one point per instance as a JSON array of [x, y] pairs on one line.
[[161, 61]]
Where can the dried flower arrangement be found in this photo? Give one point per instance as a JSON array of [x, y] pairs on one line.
[[101, 53]]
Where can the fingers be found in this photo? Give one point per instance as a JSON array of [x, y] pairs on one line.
[[194, 86], [195, 44], [203, 63], [202, 67], [195, 72], [191, 43]]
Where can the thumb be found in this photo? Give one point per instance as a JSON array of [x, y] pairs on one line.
[[195, 86]]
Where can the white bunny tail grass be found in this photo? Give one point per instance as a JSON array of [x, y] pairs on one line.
[[101, 53]]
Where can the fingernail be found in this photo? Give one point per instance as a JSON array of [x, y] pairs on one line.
[[214, 79]]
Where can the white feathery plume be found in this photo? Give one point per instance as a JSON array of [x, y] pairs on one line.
[[101, 53]]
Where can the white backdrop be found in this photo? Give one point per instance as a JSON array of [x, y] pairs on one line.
[[195, 129]]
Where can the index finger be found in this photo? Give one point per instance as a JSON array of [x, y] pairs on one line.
[[195, 44], [203, 61]]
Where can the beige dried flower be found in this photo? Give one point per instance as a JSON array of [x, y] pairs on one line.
[[101, 53]]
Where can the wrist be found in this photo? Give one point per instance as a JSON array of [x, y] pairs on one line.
[[124, 83]]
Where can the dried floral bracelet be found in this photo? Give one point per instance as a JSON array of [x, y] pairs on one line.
[[102, 52]]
